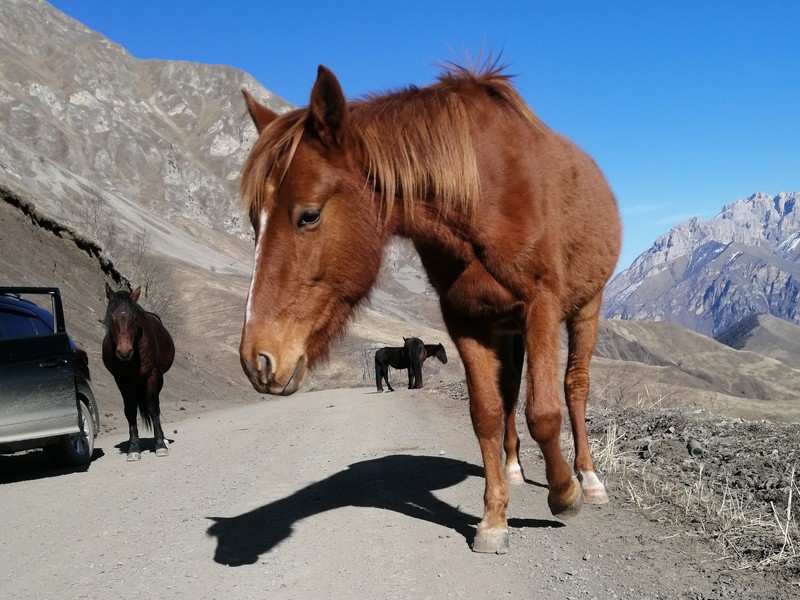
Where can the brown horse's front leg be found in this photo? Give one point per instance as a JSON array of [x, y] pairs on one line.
[[486, 410], [543, 407]]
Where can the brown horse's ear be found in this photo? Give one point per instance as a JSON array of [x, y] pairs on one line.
[[109, 292], [261, 115], [327, 111], [135, 294]]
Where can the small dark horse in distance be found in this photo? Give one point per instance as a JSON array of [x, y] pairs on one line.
[[515, 226], [137, 351], [399, 358]]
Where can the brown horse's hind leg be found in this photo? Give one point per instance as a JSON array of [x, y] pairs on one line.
[[543, 408], [582, 330], [486, 410], [511, 351]]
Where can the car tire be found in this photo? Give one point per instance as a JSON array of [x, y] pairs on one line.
[[77, 448]]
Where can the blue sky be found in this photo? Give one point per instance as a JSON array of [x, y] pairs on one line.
[[685, 105]]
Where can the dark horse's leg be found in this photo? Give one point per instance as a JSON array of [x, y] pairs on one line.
[[154, 384], [582, 330], [416, 365], [378, 373], [386, 376], [511, 352], [417, 357], [130, 404], [382, 373]]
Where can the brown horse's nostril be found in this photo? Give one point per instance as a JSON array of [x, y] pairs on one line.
[[265, 368]]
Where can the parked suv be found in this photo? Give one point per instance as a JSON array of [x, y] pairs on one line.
[[46, 398]]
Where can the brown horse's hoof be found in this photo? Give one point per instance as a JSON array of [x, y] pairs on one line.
[[162, 451], [594, 492], [491, 541], [569, 504], [134, 456]]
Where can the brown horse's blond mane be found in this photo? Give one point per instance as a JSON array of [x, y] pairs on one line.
[[416, 142]]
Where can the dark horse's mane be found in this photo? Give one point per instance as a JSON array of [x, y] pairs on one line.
[[432, 155]]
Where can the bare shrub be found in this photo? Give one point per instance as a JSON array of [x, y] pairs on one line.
[[145, 268], [95, 219], [617, 388]]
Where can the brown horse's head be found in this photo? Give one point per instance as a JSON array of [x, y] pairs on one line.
[[122, 321], [318, 236]]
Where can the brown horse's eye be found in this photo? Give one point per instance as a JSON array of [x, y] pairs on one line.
[[308, 217]]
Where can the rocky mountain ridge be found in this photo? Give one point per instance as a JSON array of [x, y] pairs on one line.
[[708, 274]]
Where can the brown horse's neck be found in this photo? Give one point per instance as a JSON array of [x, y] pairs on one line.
[[426, 225]]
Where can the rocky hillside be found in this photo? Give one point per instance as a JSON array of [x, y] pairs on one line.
[[708, 274], [98, 136]]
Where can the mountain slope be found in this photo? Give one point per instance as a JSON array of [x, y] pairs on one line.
[[766, 335], [708, 274], [156, 144]]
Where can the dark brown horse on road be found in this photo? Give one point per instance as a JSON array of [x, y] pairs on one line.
[[515, 226], [399, 358], [137, 351], [415, 350]]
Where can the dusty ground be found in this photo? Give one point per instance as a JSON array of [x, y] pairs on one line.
[[335, 494]]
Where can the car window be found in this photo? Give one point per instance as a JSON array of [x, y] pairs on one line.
[[13, 325]]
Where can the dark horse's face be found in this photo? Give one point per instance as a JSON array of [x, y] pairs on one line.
[[122, 321], [318, 239], [441, 354]]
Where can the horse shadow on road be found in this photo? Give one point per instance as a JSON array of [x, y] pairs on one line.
[[402, 483]]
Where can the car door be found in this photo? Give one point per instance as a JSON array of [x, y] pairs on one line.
[[37, 381]]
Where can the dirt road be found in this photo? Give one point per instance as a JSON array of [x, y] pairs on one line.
[[334, 494]]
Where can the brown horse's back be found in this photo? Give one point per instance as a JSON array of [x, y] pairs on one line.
[[546, 211]]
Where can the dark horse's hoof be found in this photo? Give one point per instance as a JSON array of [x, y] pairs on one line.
[[162, 451], [134, 456]]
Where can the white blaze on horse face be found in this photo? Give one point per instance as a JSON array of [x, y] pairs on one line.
[[262, 227]]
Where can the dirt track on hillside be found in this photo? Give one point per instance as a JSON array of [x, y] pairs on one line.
[[333, 494]]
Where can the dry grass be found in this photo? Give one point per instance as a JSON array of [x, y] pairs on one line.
[[750, 533]]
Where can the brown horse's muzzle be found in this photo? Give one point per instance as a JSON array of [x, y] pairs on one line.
[[267, 377]]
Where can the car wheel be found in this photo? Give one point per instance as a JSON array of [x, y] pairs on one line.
[[78, 447]]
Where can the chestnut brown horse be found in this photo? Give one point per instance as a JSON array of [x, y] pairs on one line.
[[137, 351], [516, 228]]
